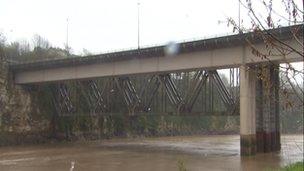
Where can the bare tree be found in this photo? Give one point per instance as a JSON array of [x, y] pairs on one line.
[[86, 52], [2, 39], [40, 42], [262, 16]]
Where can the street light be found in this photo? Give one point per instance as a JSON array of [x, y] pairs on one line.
[[138, 4]]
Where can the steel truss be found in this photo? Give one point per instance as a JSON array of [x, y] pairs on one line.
[[61, 100], [94, 96], [139, 97]]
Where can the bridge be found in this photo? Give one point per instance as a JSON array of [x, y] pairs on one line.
[[257, 105]]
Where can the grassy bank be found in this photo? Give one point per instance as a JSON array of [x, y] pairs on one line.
[[298, 166]]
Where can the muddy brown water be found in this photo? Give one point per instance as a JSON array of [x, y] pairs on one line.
[[149, 154]]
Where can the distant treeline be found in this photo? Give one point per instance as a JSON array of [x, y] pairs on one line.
[[38, 48]]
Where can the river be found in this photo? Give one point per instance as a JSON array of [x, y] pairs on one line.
[[216, 152]]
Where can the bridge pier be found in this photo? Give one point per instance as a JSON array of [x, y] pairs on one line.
[[247, 110], [267, 119], [259, 109]]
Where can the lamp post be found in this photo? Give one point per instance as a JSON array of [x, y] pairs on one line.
[[138, 4], [67, 38]]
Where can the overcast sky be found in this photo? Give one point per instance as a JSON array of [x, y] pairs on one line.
[[106, 25], [100, 25]]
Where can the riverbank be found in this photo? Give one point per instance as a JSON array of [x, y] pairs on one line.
[[17, 139]]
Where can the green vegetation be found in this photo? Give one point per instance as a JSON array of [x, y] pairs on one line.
[[298, 166], [105, 126], [181, 165]]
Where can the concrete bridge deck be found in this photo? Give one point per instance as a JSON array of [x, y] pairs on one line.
[[221, 52]]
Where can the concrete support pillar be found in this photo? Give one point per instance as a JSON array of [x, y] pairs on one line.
[[275, 108], [259, 116], [276, 81], [247, 110], [267, 107]]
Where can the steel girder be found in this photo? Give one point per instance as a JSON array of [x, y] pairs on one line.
[[222, 90], [129, 93], [141, 99], [196, 86], [94, 95], [171, 90], [61, 99], [148, 92]]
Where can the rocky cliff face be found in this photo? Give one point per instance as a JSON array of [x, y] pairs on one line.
[[19, 117]]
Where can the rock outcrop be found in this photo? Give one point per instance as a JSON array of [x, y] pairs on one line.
[[19, 117]]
